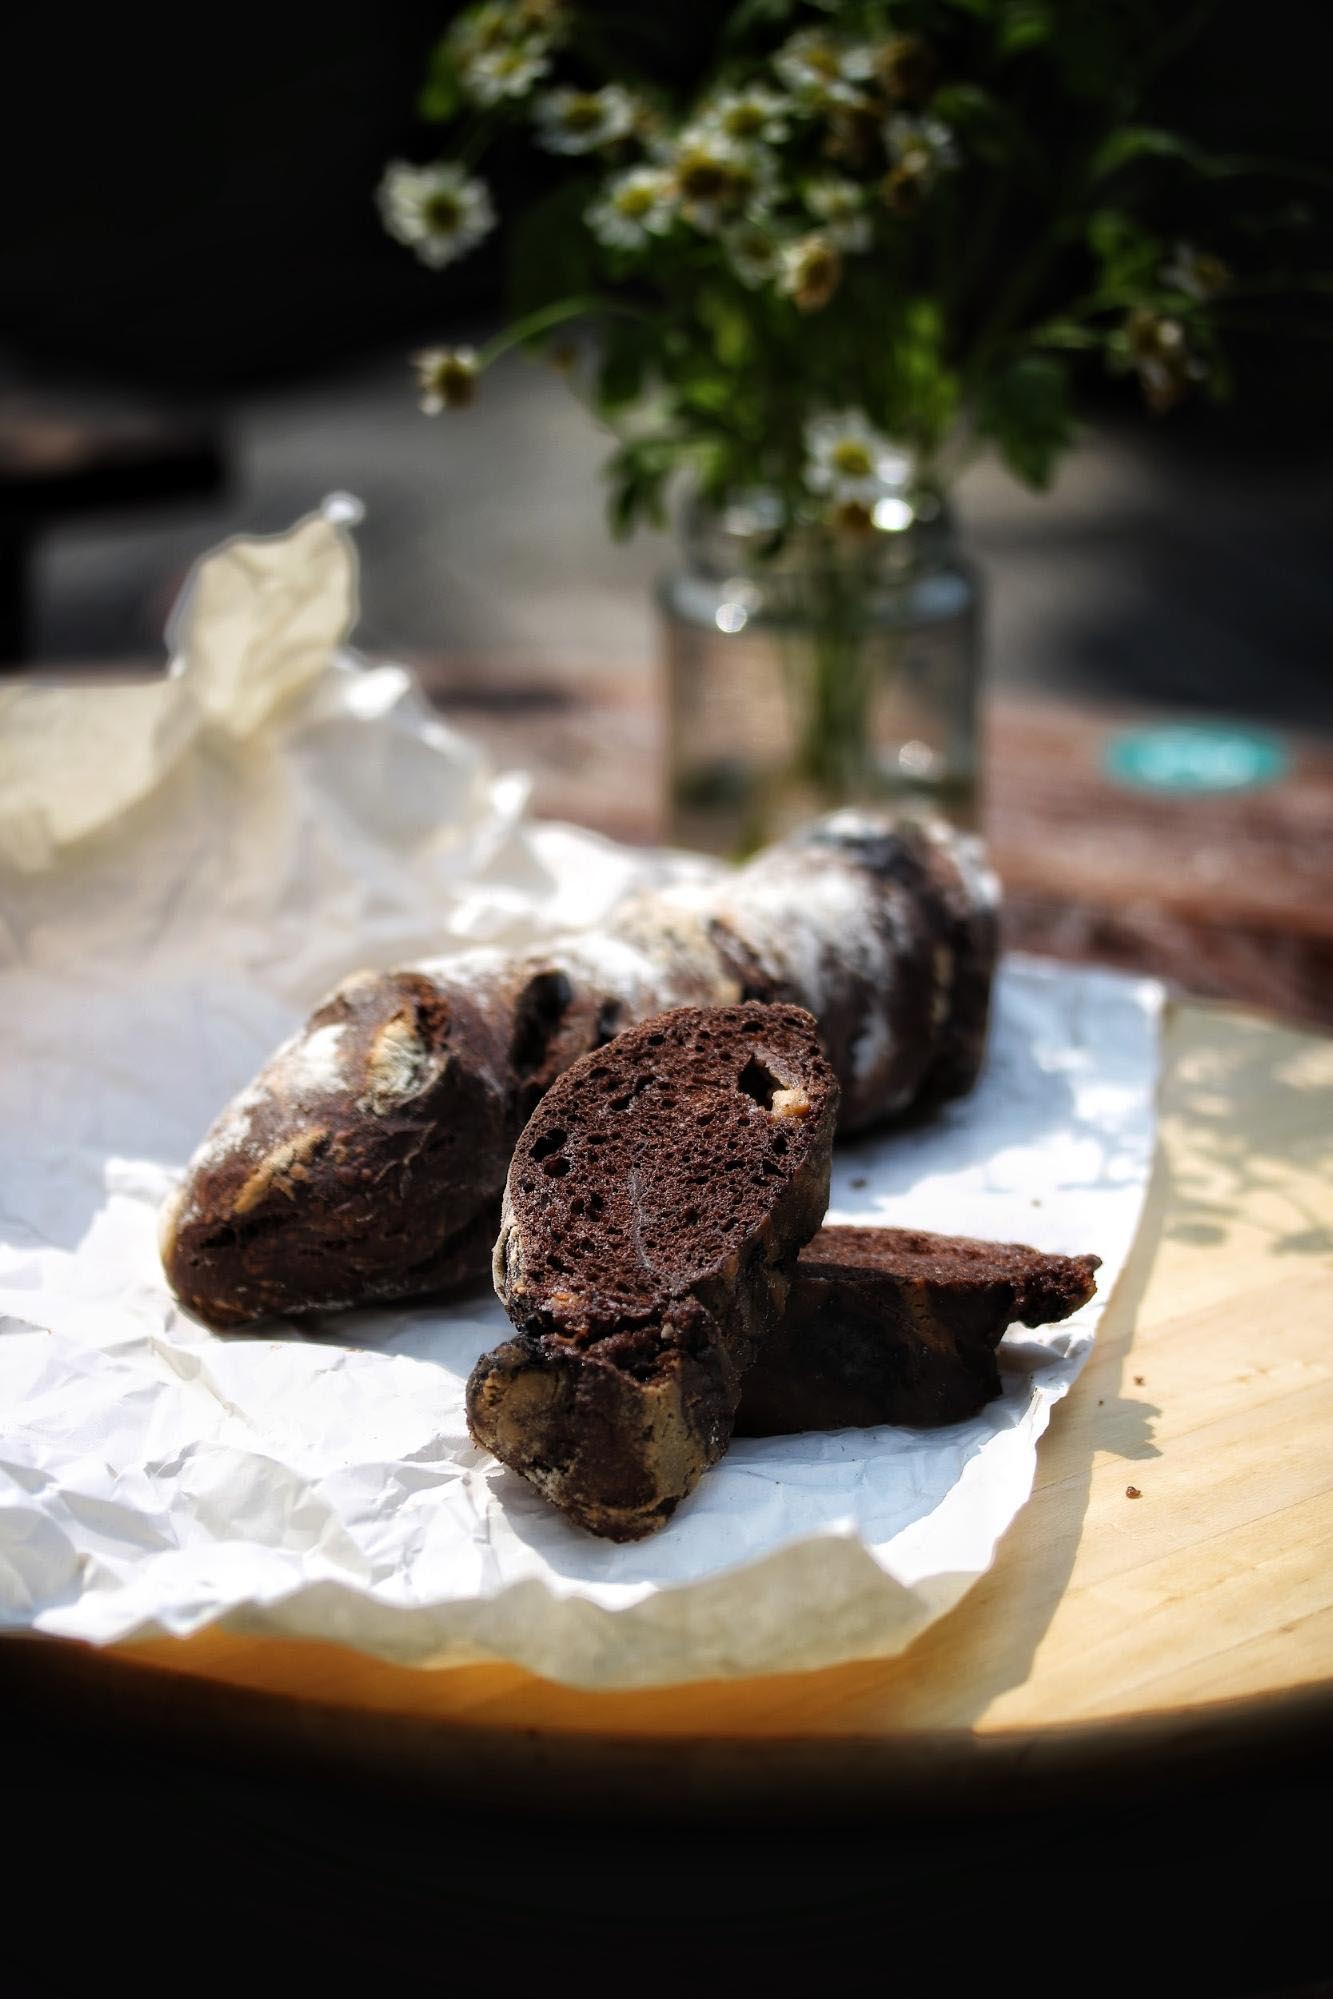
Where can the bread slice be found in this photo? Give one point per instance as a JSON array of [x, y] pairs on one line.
[[654, 1210], [898, 1326]]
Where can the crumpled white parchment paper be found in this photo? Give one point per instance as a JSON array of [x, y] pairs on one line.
[[184, 866]]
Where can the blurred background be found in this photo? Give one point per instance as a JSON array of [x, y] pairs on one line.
[[207, 330]]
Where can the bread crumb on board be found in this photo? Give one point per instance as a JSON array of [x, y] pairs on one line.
[[1132, 1492]]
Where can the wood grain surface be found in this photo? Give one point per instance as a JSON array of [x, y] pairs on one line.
[[1112, 1629]]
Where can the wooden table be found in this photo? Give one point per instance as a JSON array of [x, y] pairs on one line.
[[1114, 1634]]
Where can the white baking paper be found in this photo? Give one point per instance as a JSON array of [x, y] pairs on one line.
[[183, 868]]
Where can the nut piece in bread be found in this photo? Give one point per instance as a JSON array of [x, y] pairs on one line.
[[653, 1213]]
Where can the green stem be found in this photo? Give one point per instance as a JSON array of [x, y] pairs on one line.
[[549, 316], [831, 676]]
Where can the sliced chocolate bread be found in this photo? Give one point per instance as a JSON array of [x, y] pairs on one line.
[[897, 1326], [654, 1210]]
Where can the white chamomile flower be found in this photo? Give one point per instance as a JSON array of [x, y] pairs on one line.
[[819, 67], [440, 211], [851, 461], [481, 31], [635, 206], [809, 271], [446, 378], [508, 71], [753, 251], [923, 147], [840, 206], [750, 115], [580, 121], [717, 179], [1199, 274]]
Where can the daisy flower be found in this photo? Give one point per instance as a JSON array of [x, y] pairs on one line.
[[748, 115], [717, 179], [839, 205], [634, 206], [920, 149], [481, 30], [809, 271], [439, 211], [851, 461], [580, 121], [446, 377], [924, 145], [508, 71], [817, 66], [1198, 273], [752, 251], [1161, 357]]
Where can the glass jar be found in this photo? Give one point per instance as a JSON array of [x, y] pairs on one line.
[[839, 665]]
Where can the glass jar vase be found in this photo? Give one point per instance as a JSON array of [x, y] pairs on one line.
[[838, 665]]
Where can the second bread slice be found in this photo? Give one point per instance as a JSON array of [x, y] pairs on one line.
[[900, 1326], [655, 1207]]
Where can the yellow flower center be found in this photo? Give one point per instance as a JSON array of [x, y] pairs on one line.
[[444, 212], [743, 120], [582, 114], [852, 459], [635, 202], [705, 179]]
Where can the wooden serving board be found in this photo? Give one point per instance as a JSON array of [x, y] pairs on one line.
[[1193, 1617]]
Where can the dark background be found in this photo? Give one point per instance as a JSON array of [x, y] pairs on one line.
[[225, 168]]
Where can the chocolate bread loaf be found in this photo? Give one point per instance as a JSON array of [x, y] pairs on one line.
[[897, 1326], [652, 1218], [367, 1160]]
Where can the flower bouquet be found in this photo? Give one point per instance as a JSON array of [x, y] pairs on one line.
[[855, 246]]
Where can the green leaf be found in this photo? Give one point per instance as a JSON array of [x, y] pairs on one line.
[[1024, 24], [1138, 142], [729, 325], [1025, 410], [637, 473], [1067, 334], [442, 92], [1128, 254], [627, 352]]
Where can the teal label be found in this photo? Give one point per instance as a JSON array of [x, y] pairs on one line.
[[1195, 756]]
